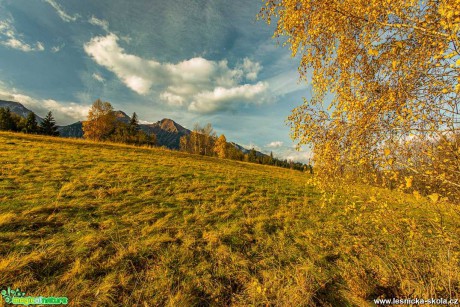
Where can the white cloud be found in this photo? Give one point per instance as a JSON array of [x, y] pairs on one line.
[[220, 98], [10, 38], [58, 48], [274, 144], [40, 46], [60, 11], [104, 24], [64, 113], [250, 69], [202, 85], [172, 99], [289, 153], [98, 77]]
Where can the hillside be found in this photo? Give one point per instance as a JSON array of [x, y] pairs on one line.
[[17, 108], [114, 225]]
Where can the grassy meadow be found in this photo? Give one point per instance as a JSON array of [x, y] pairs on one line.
[[114, 225]]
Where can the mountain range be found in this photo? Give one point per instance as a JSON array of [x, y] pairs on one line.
[[167, 131]]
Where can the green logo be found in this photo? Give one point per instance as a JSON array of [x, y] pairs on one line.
[[17, 297]]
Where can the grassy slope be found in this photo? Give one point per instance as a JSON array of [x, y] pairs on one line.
[[109, 224]]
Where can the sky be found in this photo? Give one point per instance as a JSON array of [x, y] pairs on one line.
[[192, 61]]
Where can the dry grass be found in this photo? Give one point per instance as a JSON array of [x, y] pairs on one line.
[[109, 224]]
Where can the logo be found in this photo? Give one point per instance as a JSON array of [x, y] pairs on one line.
[[17, 297]]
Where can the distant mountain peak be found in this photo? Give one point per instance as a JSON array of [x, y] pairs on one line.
[[18, 109], [168, 125], [122, 116], [171, 126]]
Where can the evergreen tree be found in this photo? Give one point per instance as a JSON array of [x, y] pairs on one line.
[[31, 123], [270, 159], [252, 155], [134, 124], [48, 126], [7, 121]]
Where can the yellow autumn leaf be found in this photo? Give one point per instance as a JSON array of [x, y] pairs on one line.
[[373, 52], [408, 181], [434, 197], [387, 152]]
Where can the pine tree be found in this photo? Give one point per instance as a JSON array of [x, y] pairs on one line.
[[252, 156], [6, 120], [270, 159], [48, 126], [31, 124], [134, 124]]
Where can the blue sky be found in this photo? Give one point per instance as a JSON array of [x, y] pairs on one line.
[[191, 61]]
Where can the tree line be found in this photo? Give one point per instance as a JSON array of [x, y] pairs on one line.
[[204, 141], [102, 125], [10, 121]]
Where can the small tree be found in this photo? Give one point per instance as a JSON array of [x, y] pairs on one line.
[[101, 121], [31, 123], [252, 155], [6, 120], [184, 143], [134, 125], [48, 126], [220, 148]]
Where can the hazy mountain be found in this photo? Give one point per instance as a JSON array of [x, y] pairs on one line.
[[18, 109]]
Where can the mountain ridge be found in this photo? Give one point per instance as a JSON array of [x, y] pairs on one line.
[[167, 131]]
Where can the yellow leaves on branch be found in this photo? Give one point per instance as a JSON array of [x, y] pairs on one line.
[[392, 70], [373, 52]]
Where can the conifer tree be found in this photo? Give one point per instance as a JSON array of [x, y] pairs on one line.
[[6, 120], [48, 126], [31, 123], [134, 124]]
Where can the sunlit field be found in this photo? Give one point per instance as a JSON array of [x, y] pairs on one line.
[[115, 225]]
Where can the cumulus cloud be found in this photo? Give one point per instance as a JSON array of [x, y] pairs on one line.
[[172, 99], [64, 113], [104, 24], [221, 98], [202, 85], [60, 11], [10, 38], [274, 144], [251, 69]]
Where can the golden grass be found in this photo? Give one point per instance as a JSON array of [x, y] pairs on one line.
[[110, 224]]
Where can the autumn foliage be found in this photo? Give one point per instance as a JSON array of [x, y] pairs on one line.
[[102, 125], [392, 70]]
